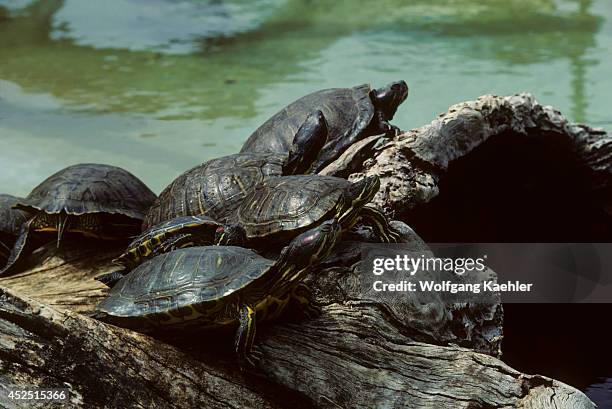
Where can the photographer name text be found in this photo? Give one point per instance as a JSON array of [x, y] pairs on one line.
[[453, 288]]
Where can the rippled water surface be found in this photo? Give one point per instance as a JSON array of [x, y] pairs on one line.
[[158, 86]]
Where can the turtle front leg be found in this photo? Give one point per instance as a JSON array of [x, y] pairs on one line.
[[245, 336], [374, 218], [385, 127], [332, 151], [301, 297], [23, 246]]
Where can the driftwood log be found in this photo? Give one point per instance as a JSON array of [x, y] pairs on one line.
[[360, 353], [411, 165], [357, 354]]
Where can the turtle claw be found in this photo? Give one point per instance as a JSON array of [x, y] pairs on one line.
[[390, 237], [311, 312], [373, 218], [394, 131], [394, 237], [385, 127], [251, 361], [302, 303], [389, 130], [256, 356]]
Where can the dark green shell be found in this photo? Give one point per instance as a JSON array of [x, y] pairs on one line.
[[144, 246], [289, 203], [214, 188], [196, 283], [348, 111], [90, 188], [11, 221]]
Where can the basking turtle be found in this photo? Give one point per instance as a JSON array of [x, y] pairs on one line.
[[185, 231], [11, 221], [351, 113], [100, 201], [279, 208], [217, 286], [216, 187]]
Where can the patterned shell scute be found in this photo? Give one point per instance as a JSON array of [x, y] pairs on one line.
[[347, 111], [213, 188], [10, 219], [289, 203], [185, 277], [91, 188], [175, 224]]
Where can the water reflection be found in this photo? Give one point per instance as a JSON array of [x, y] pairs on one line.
[[166, 26], [233, 52], [579, 64], [166, 87]]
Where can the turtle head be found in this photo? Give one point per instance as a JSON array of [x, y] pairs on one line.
[[230, 235], [307, 144], [388, 98], [308, 249]]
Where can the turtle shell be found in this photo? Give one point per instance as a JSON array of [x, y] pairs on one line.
[[144, 245], [11, 221], [90, 188], [286, 204], [214, 188], [348, 111], [195, 283]]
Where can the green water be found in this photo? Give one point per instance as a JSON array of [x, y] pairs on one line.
[[157, 86]]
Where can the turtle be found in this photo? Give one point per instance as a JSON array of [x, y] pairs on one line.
[[214, 188], [279, 208], [94, 200], [218, 286], [352, 114], [11, 221], [184, 231]]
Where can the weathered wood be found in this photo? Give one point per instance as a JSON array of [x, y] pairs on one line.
[[352, 357], [104, 366], [361, 352], [410, 166], [423, 317], [64, 277], [347, 359]]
